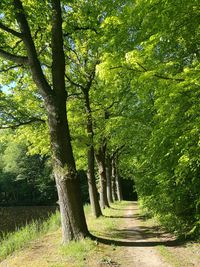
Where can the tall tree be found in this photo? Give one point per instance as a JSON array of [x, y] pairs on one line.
[[54, 95]]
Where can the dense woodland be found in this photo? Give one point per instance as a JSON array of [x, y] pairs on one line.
[[107, 88]]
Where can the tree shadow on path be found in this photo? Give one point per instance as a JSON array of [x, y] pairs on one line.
[[137, 235], [132, 209], [119, 243]]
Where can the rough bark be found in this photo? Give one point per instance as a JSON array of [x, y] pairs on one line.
[[93, 193], [109, 179], [72, 214], [100, 158], [114, 185], [118, 185]]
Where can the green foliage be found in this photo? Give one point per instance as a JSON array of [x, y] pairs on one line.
[[24, 179], [78, 251], [167, 175]]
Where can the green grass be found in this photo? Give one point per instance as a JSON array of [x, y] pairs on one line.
[[169, 257], [22, 237], [78, 252], [106, 224], [74, 252]]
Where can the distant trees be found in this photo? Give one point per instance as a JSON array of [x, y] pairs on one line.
[[25, 179]]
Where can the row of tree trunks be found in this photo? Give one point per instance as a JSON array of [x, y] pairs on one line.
[[110, 185], [114, 184], [54, 94]]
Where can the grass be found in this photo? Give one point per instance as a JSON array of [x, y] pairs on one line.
[[23, 236], [75, 252], [78, 253], [169, 257]]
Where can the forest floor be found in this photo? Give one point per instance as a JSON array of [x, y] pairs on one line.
[[124, 239]]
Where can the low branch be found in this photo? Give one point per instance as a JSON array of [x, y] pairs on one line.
[[14, 126], [75, 95], [13, 32], [74, 83], [14, 58], [146, 70], [161, 76], [11, 67]]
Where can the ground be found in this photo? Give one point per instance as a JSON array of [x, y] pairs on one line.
[[125, 239]]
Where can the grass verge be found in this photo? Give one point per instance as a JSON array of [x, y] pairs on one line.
[[169, 257], [75, 254], [22, 237]]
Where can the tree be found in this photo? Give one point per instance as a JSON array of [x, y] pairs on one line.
[[54, 94]]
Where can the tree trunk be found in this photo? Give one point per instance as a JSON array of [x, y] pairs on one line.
[[109, 179], [69, 193], [72, 215], [100, 157], [118, 185], [114, 185], [93, 193]]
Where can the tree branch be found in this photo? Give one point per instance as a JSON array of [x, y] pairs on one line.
[[37, 73], [14, 126], [13, 32], [77, 28], [11, 67], [74, 83], [74, 95], [146, 70], [14, 58], [161, 76], [58, 56]]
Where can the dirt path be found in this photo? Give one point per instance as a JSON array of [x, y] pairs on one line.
[[139, 242], [145, 245]]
